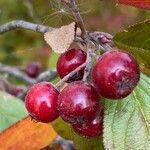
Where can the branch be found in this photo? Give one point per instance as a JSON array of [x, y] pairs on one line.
[[20, 24], [47, 76], [24, 25], [44, 76], [16, 24], [15, 73], [75, 11], [18, 74]]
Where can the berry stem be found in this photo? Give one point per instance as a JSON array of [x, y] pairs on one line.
[[69, 75], [88, 66]]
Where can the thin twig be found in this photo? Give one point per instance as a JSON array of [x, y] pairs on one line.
[[75, 11], [18, 74], [21, 24], [15, 73], [47, 76], [69, 75], [10, 88], [24, 25]]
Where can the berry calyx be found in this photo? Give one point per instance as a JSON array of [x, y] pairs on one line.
[[41, 102], [92, 129], [33, 69], [115, 74], [69, 61], [78, 103]]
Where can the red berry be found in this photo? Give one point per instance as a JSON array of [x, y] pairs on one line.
[[115, 74], [33, 69], [78, 103], [69, 61], [92, 129], [15, 90], [41, 102]]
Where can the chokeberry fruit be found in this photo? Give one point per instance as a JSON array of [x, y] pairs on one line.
[[15, 90], [92, 129], [78, 103], [69, 61], [115, 74], [33, 69], [41, 102]]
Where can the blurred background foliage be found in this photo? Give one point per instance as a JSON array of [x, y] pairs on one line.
[[20, 47]]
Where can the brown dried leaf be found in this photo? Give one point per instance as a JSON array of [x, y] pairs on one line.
[[61, 39], [27, 135]]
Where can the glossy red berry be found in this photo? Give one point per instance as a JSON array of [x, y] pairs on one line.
[[69, 61], [92, 129], [78, 103], [41, 102], [115, 74], [33, 69]]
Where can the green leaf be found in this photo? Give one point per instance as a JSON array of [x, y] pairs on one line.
[[127, 121], [11, 110], [136, 40], [81, 143]]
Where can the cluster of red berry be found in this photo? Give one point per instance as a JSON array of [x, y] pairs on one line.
[[114, 76]]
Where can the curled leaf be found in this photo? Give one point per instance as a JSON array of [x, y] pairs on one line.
[[61, 39]]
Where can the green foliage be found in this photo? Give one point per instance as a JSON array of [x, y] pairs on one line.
[[127, 121], [11, 110], [136, 40], [81, 143]]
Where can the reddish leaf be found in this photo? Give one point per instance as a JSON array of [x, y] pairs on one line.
[[27, 134], [144, 4]]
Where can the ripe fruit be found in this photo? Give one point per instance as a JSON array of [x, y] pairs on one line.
[[115, 74], [33, 69], [69, 61], [78, 103], [41, 102], [15, 90], [92, 129]]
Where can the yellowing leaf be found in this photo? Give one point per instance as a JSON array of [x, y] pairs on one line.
[[27, 135], [61, 39]]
